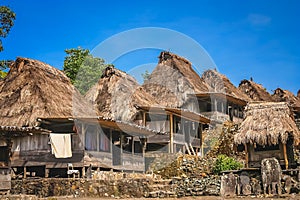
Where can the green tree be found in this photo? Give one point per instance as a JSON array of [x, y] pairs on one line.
[[82, 68], [4, 64], [146, 75], [7, 17]]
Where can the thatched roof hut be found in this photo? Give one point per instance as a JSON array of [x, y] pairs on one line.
[[267, 123], [281, 95], [220, 83], [33, 89], [172, 80], [254, 91], [117, 95]]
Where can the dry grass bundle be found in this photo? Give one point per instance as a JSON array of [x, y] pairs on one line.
[[33, 89], [117, 95], [220, 83], [254, 91], [172, 79], [267, 123]]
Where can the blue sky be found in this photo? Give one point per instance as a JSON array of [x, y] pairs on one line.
[[258, 39]]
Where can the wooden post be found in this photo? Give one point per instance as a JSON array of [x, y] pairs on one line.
[[83, 171], [110, 142], [98, 132], [247, 156], [285, 157], [132, 145], [171, 144], [215, 105], [201, 139], [25, 172], [47, 171], [144, 119]]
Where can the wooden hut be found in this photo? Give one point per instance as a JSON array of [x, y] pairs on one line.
[[173, 80], [117, 94], [33, 90], [256, 92], [223, 101], [293, 101], [268, 130]]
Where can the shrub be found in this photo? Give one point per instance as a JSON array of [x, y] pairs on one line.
[[224, 163]]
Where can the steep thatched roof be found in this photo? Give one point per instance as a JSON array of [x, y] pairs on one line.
[[172, 79], [267, 123], [298, 94], [33, 89], [281, 95], [254, 91], [220, 83], [117, 95]]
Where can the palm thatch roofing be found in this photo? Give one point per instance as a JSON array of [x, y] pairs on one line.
[[254, 91], [172, 80], [267, 123], [33, 89], [220, 83], [117, 95]]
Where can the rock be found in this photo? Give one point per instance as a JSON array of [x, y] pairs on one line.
[[228, 185]]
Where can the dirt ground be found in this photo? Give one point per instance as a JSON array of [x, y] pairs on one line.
[[290, 197]]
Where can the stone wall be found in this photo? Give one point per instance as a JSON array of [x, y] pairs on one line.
[[123, 185]]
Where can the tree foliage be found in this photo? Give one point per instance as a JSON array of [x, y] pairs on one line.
[[146, 75], [224, 163], [82, 68], [4, 64], [7, 17]]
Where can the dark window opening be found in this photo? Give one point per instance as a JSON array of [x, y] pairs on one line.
[[266, 148]]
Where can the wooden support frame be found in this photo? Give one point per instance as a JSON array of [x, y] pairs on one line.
[[171, 144], [286, 161], [132, 145], [144, 119], [247, 155]]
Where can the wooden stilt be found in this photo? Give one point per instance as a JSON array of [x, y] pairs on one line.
[[247, 156], [132, 145], [171, 144], [25, 172], [83, 172], [144, 119], [285, 157]]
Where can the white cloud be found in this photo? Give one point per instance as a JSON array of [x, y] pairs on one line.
[[258, 19]]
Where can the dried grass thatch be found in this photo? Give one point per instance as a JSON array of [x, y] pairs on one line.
[[267, 123], [117, 95], [172, 80], [254, 91], [220, 83], [281, 95], [33, 89]]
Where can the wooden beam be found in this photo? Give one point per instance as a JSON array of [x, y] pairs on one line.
[[25, 172], [144, 119], [285, 157], [247, 156], [171, 144], [132, 145], [110, 142]]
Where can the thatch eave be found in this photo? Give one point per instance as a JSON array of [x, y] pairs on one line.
[[267, 123]]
